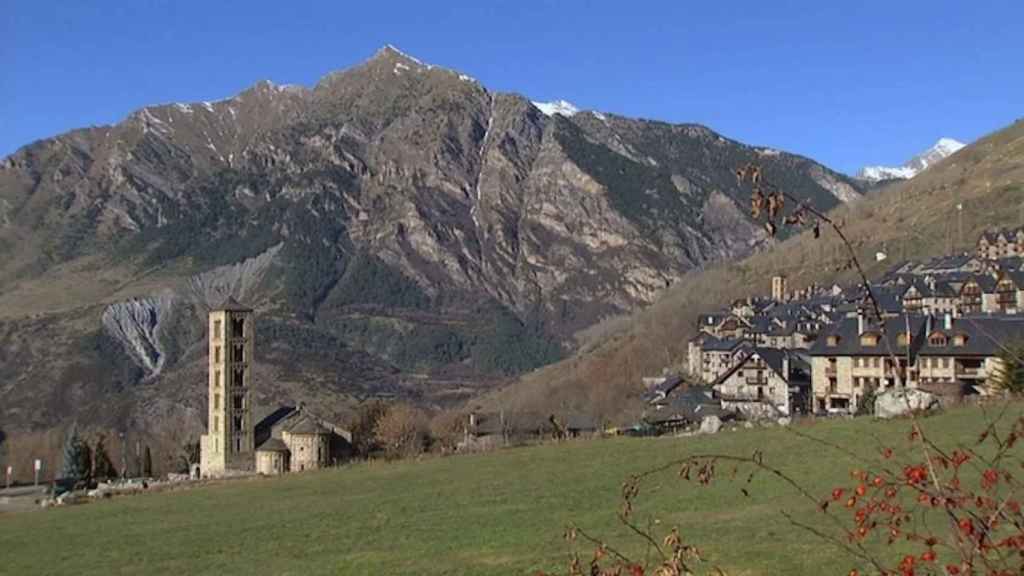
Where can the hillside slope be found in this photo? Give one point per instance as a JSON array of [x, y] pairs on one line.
[[914, 219], [400, 229]]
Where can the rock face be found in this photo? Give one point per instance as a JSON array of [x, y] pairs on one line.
[[137, 324], [396, 221], [893, 402]]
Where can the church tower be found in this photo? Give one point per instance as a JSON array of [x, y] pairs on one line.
[[228, 443]]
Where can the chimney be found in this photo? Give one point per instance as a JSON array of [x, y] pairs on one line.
[[948, 324], [860, 322]]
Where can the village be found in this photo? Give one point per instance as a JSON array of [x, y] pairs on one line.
[[928, 332]]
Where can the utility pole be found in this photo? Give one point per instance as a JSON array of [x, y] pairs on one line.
[[959, 223], [124, 455]]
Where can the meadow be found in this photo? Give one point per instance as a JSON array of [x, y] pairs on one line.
[[503, 512]]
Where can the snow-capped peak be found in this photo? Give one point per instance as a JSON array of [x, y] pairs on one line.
[[394, 50], [944, 148], [556, 107]]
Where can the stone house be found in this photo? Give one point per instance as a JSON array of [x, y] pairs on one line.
[[716, 356], [934, 354], [997, 244], [852, 359], [764, 383], [965, 351], [1008, 296]]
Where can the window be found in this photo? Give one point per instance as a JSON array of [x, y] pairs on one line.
[[217, 380], [238, 353], [217, 329], [937, 340], [238, 422], [902, 339], [832, 340], [960, 340], [216, 401], [239, 402], [216, 354], [869, 340], [216, 424], [876, 362], [238, 379], [238, 327], [945, 362]]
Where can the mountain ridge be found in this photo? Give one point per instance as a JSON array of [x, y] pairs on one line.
[[400, 229]]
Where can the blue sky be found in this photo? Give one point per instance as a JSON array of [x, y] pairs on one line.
[[846, 83]]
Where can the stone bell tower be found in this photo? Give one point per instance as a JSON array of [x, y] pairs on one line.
[[228, 442]]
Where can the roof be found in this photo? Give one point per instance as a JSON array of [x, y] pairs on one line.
[[775, 360], [272, 445], [712, 344], [232, 305], [690, 403], [305, 424], [985, 336], [849, 344]]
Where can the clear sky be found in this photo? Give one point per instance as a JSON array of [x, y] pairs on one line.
[[846, 82]]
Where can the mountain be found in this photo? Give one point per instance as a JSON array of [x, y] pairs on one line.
[[944, 148], [908, 220], [401, 231]]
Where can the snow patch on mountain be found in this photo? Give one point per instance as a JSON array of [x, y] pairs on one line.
[[556, 107], [944, 148]]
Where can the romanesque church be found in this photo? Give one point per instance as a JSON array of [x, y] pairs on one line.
[[288, 439]]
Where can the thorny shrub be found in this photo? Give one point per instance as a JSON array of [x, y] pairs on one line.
[[919, 511]]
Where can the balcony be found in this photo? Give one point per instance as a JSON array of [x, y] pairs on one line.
[[968, 371], [743, 396]]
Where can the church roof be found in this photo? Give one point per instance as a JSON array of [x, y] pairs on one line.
[[272, 445], [232, 305], [305, 424]]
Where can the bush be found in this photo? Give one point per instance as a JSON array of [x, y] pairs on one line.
[[402, 431], [447, 429], [364, 429]]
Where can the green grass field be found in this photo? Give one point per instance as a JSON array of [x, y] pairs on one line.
[[498, 513]]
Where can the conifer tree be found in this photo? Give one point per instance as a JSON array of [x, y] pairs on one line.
[[77, 461], [102, 465]]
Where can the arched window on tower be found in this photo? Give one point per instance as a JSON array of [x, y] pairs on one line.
[[238, 327]]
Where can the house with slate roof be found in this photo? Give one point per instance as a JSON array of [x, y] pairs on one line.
[[765, 383], [937, 354], [1004, 243]]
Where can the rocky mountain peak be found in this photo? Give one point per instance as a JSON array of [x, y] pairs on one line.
[[942, 149], [396, 221]]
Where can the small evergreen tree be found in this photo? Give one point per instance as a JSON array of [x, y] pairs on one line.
[[1009, 376], [77, 464], [102, 465], [147, 463]]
